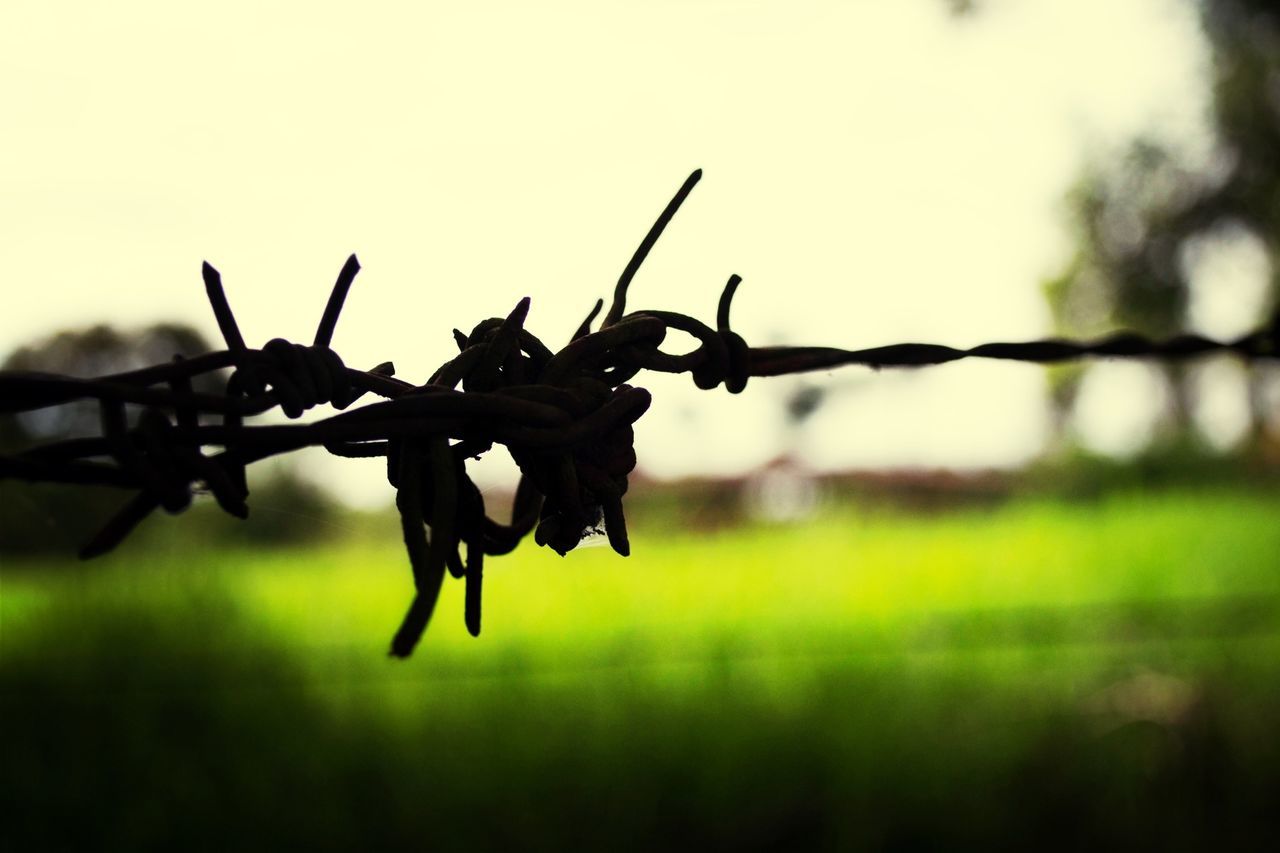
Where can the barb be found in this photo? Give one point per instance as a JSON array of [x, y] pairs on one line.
[[329, 321], [565, 417]]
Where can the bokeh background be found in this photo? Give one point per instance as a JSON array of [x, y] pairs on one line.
[[978, 603]]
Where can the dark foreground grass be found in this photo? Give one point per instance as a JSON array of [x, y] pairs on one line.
[[1046, 676]]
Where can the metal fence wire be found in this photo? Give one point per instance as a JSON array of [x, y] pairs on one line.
[[565, 417]]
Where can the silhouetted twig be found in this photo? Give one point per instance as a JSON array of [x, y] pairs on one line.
[[565, 417]]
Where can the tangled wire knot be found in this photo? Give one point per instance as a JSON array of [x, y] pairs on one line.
[[566, 418]]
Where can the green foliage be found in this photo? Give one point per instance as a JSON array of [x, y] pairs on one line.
[[1042, 675]]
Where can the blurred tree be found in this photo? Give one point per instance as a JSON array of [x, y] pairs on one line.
[[1139, 219], [96, 351], [54, 519]]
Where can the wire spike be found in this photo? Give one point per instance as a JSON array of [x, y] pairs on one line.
[[337, 297], [655, 231], [585, 328], [222, 309], [726, 301]]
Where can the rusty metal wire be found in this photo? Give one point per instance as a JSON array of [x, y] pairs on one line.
[[565, 417]]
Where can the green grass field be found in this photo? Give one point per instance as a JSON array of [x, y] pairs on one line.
[[1049, 674]]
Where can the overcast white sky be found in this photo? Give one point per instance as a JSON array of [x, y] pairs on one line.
[[876, 171]]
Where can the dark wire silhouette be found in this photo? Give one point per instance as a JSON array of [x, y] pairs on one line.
[[565, 417]]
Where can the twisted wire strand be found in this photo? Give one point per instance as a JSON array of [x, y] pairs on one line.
[[565, 417]]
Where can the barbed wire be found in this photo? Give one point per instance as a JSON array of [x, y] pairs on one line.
[[565, 417]]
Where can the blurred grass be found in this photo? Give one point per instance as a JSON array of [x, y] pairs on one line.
[[1048, 673]]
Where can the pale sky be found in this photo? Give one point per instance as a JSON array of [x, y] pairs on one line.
[[876, 171]]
